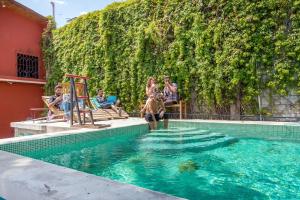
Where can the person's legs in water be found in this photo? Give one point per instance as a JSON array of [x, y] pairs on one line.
[[165, 117], [157, 120], [166, 120], [148, 118], [152, 125], [151, 121]]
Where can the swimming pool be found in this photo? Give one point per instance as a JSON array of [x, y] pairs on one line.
[[190, 159]]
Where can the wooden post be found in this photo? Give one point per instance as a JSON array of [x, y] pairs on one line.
[[180, 109], [141, 107], [76, 101], [88, 100], [83, 101], [185, 110], [71, 103], [92, 118], [74, 98]]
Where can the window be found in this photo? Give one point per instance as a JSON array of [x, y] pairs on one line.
[[28, 66]]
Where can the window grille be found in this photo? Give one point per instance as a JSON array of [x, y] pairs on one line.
[[27, 66]]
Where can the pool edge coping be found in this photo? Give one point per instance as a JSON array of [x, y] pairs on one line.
[[86, 130], [62, 133], [266, 123]]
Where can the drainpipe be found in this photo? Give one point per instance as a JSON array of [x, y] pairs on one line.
[[259, 107], [3, 4], [53, 9]]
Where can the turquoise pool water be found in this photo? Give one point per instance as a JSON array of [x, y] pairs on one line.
[[188, 162]]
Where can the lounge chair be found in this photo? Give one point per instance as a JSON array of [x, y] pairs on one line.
[[110, 100], [56, 112], [99, 115]]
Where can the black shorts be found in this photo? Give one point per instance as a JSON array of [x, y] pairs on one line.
[[148, 117], [166, 116]]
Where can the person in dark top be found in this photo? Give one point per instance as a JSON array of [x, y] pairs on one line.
[[170, 91], [101, 98], [58, 102], [57, 99]]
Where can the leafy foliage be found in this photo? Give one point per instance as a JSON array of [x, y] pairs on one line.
[[53, 72], [218, 52]]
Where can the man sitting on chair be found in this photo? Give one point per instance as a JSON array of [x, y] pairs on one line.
[[101, 98], [170, 92], [57, 102]]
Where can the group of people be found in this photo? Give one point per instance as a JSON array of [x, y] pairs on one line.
[[155, 107], [62, 102]]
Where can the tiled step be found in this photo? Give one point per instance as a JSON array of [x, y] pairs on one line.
[[179, 138], [176, 130], [195, 132], [186, 146]]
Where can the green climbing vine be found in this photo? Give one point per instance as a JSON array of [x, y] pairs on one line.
[[53, 72], [220, 53]]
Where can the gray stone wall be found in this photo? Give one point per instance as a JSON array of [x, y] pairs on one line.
[[281, 106]]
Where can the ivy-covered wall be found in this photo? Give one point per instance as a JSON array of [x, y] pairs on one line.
[[219, 52]]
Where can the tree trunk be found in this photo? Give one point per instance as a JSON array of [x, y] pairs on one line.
[[235, 108], [193, 105]]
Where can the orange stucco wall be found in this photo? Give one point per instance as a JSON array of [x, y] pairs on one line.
[[16, 100], [18, 34]]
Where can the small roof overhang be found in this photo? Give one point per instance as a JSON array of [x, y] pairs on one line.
[[23, 10]]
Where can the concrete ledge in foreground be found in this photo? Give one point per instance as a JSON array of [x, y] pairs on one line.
[[28, 179]]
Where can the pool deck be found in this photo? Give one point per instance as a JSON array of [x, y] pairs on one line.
[[29, 179], [39, 127]]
